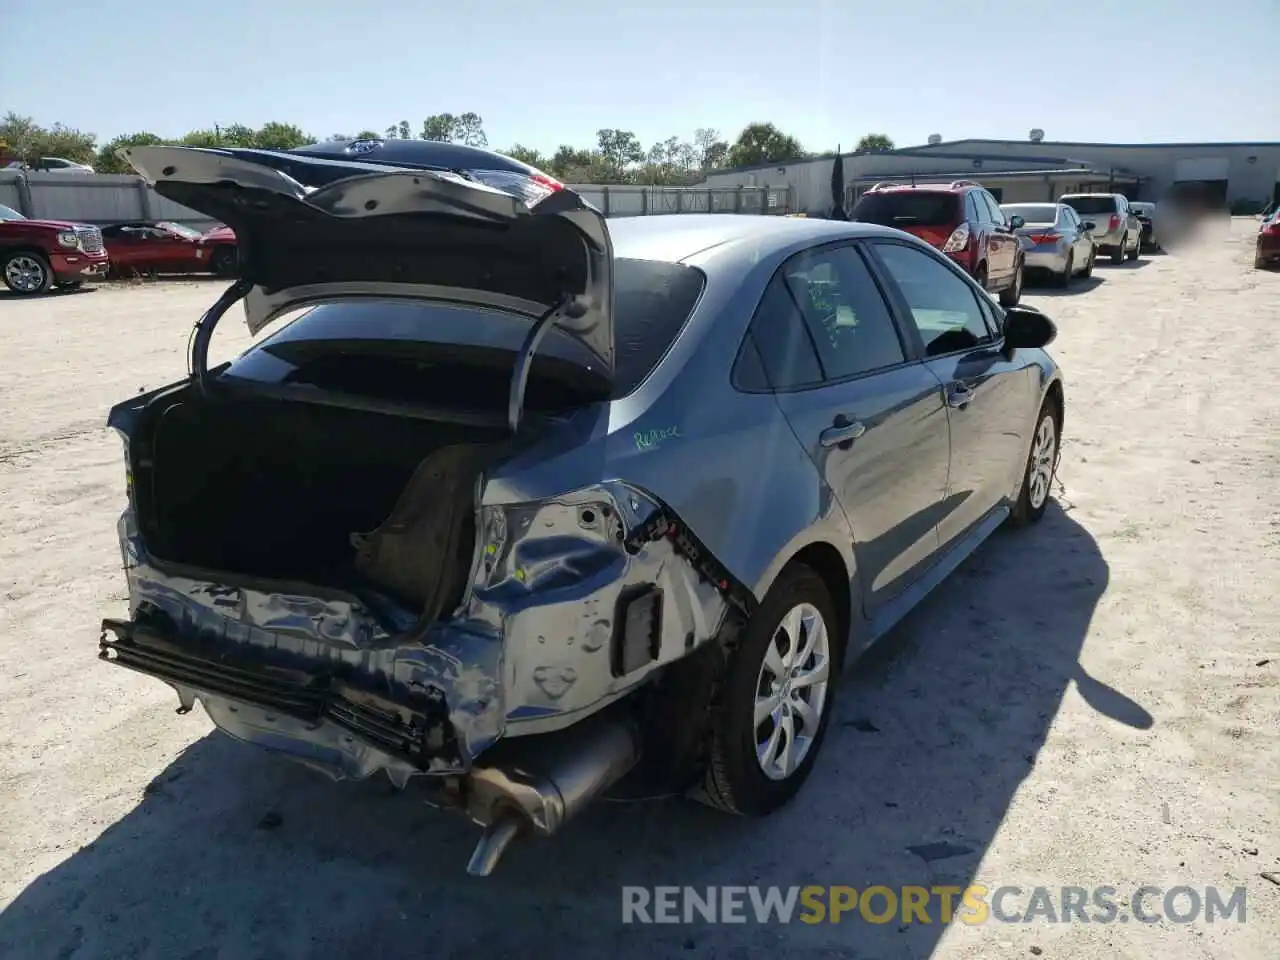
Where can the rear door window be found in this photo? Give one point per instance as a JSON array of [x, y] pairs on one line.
[[844, 311], [823, 318]]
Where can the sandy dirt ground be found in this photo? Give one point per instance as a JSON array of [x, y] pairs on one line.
[[1092, 702]]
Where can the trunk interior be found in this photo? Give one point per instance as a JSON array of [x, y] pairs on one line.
[[277, 489]]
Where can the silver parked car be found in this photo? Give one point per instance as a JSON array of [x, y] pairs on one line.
[[1056, 240], [518, 496], [1117, 230]]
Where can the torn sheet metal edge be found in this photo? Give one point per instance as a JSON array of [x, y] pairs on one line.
[[528, 652]]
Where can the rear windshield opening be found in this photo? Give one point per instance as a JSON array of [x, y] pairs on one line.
[[1031, 212], [446, 354], [914, 209], [1085, 205]]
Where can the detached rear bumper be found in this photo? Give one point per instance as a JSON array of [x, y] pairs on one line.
[[317, 718]]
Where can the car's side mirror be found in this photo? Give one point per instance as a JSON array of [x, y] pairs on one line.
[[1028, 327], [1016, 222], [1089, 226]]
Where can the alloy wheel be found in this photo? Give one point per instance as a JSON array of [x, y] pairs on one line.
[[1044, 451], [24, 274], [791, 691]]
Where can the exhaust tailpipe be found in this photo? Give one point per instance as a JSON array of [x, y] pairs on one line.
[[554, 776]]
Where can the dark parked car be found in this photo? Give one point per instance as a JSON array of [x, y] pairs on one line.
[[518, 496], [167, 247], [962, 219]]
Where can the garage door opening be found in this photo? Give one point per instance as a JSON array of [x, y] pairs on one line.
[[1204, 195]]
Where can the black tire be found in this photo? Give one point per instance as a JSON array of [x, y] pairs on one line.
[[980, 276], [1136, 251], [733, 780], [1087, 272], [1064, 278], [1117, 255], [1025, 510], [33, 268], [1011, 294], [224, 263]]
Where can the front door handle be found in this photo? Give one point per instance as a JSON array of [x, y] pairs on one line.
[[959, 396], [842, 432]]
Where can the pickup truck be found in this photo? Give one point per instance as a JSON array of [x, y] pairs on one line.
[[36, 255]]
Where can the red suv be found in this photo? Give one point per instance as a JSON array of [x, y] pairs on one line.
[[962, 220]]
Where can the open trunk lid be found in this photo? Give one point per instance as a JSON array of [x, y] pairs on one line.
[[335, 229]]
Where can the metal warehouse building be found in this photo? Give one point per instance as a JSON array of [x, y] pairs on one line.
[[1029, 170]]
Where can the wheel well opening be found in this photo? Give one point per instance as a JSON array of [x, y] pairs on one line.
[[825, 560], [1055, 397], [24, 248]]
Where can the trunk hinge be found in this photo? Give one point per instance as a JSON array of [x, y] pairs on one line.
[[202, 333], [520, 374]]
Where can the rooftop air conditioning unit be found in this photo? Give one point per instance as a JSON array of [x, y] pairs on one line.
[[1037, 135], [935, 139]]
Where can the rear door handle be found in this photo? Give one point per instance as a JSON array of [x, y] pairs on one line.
[[959, 396], [842, 433]]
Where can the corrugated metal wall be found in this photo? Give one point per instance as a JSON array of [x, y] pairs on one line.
[[109, 198]]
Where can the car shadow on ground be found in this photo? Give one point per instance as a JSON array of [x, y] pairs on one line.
[[232, 853], [1045, 287], [8, 296], [1106, 264]]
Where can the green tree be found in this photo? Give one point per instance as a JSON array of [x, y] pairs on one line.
[[875, 142], [763, 143], [574, 165], [28, 140], [282, 136], [237, 135], [618, 151], [712, 152], [528, 155], [202, 138], [465, 128], [109, 160]]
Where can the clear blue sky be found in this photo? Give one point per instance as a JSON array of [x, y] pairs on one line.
[[553, 71]]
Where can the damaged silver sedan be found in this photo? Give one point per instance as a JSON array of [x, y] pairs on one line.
[[527, 504]]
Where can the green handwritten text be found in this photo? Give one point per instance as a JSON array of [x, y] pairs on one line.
[[648, 439]]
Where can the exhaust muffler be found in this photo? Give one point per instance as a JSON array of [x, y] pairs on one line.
[[554, 776]]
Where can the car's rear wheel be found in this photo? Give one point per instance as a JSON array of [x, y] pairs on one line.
[[1137, 249], [1064, 279], [26, 272], [1117, 254], [772, 712], [1087, 272], [1011, 294], [980, 276], [1042, 465]]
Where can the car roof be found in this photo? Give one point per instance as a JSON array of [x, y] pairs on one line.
[[955, 186], [676, 237]]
